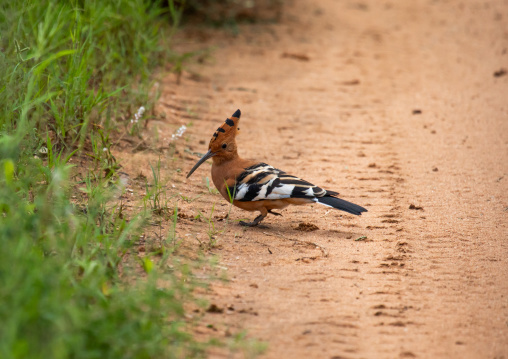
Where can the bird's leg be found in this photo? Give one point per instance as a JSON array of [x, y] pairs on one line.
[[254, 223], [274, 213]]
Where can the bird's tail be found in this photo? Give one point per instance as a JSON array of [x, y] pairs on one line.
[[338, 203]]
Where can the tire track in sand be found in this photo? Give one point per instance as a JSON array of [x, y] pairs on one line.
[[335, 120]]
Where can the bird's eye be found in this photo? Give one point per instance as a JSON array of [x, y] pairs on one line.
[[224, 145]]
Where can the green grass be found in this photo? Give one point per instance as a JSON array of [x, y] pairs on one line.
[[72, 281], [63, 283], [70, 73], [66, 65]]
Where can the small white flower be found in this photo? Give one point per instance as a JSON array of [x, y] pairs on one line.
[[104, 149], [138, 114], [179, 133]]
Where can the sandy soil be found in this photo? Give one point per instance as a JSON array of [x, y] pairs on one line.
[[396, 105]]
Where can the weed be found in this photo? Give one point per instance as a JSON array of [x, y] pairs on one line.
[[178, 64], [101, 154], [231, 197], [179, 133], [188, 199], [171, 237], [191, 112], [69, 280], [63, 292], [158, 190], [71, 72], [135, 123], [212, 231], [251, 348], [211, 190]]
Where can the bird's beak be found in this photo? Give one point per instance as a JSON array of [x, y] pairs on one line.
[[206, 156]]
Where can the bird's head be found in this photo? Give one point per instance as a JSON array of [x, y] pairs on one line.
[[222, 146]]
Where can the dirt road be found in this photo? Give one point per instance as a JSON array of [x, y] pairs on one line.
[[402, 107]]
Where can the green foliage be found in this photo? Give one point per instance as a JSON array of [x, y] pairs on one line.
[[62, 275], [210, 189], [65, 63], [68, 287]]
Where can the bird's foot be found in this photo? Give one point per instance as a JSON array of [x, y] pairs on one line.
[[274, 213], [254, 223]]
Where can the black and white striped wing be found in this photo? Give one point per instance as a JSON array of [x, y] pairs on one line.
[[262, 181]]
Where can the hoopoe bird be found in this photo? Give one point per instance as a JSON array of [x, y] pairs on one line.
[[256, 186]]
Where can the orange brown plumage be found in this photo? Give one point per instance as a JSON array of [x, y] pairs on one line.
[[256, 186]]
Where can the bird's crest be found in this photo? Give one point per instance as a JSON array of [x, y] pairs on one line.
[[227, 131]]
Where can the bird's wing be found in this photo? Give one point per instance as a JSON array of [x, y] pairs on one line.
[[262, 181]]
